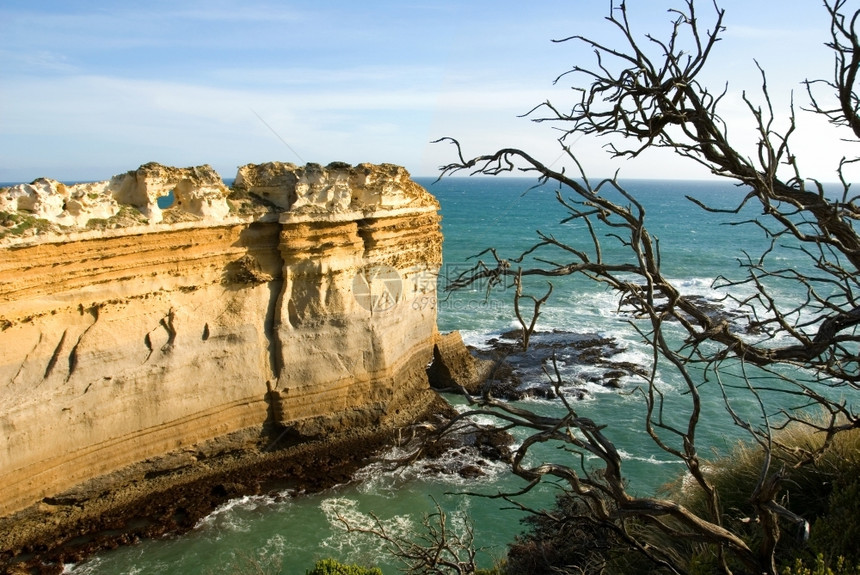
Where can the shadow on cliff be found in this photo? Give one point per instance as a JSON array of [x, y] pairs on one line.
[[262, 266]]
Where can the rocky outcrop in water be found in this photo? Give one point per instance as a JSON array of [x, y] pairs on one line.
[[271, 314], [504, 370], [455, 368]]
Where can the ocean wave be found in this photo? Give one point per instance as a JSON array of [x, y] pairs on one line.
[[343, 511], [651, 459], [238, 514], [466, 462], [478, 338], [91, 566]]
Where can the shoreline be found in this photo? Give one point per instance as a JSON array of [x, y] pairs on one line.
[[169, 496]]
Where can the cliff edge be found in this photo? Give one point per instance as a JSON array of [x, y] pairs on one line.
[[289, 308]]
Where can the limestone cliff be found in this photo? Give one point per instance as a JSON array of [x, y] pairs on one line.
[[198, 191], [128, 330]]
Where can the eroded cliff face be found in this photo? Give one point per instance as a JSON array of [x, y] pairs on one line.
[[297, 301]]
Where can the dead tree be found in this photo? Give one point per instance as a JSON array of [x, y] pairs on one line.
[[527, 326], [647, 91]]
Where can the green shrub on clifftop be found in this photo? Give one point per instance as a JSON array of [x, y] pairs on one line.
[[18, 223], [826, 494], [820, 568]]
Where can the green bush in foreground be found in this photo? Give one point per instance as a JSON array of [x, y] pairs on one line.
[[820, 568], [332, 567], [825, 493]]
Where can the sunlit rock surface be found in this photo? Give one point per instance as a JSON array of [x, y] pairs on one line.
[[197, 191], [129, 331]]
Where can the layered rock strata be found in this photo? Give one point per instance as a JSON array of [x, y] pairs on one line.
[[285, 306]]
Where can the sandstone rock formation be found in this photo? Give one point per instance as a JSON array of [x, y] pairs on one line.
[[335, 188], [198, 191], [454, 367], [166, 329]]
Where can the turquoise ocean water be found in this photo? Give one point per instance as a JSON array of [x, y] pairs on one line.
[[290, 532]]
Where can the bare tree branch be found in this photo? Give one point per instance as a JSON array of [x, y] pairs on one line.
[[644, 93]]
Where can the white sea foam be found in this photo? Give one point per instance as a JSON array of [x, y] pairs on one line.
[[343, 512], [477, 338], [384, 478], [236, 514], [651, 459], [86, 568], [95, 565]]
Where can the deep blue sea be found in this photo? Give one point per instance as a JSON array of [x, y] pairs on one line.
[[288, 532]]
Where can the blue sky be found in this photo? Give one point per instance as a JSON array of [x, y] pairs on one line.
[[91, 89]]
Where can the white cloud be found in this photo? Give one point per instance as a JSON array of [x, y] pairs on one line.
[[76, 117], [354, 88], [90, 119], [37, 61]]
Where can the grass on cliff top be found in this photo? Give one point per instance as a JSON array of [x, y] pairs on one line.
[[18, 224], [21, 224], [827, 493], [126, 216], [246, 204]]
